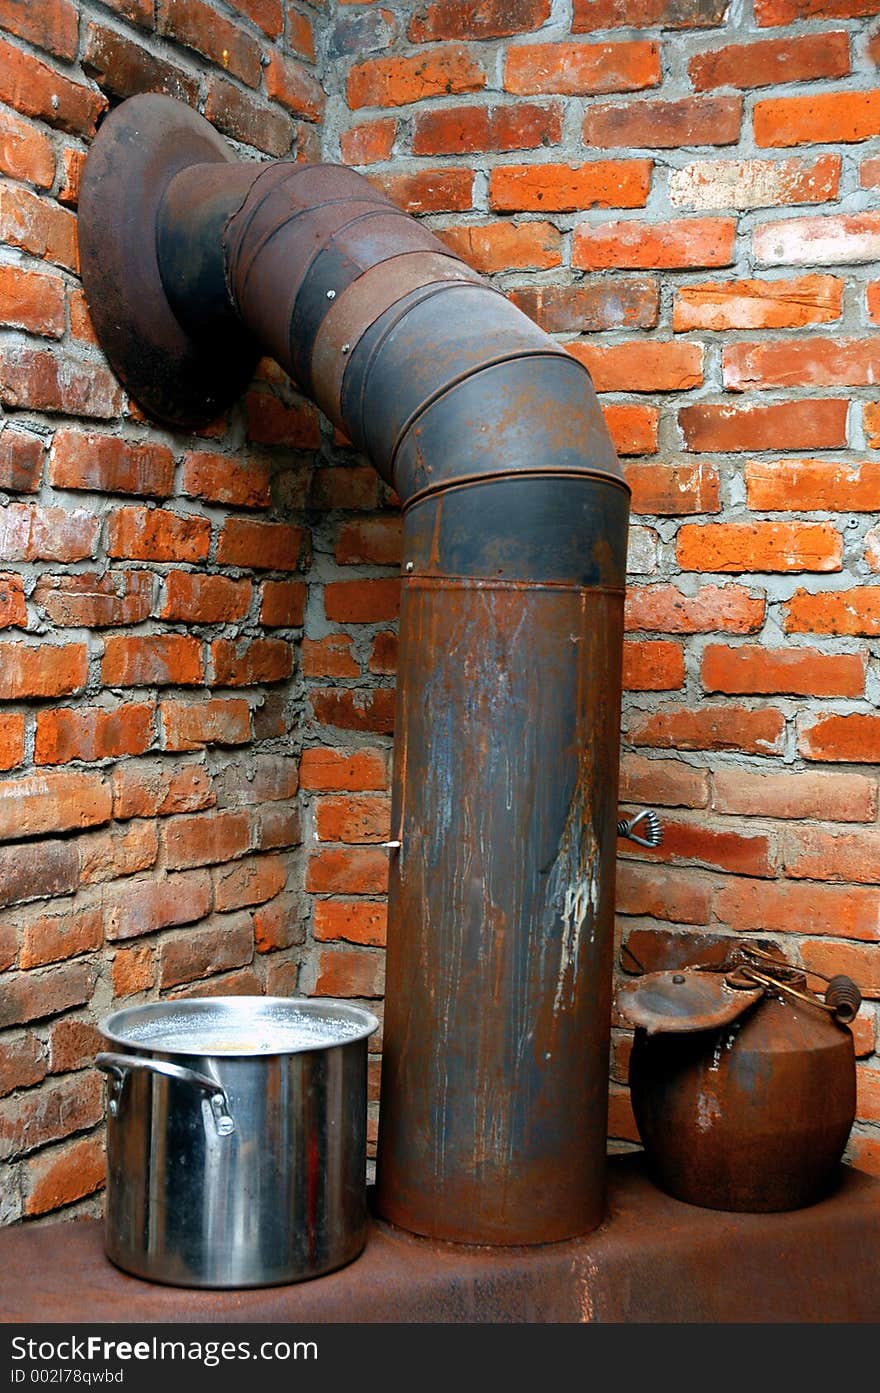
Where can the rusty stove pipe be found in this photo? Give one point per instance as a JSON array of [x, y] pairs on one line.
[[499, 964]]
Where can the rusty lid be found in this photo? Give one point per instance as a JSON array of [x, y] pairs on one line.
[[684, 1000]]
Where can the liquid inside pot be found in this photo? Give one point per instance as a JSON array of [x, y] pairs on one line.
[[251, 1034]]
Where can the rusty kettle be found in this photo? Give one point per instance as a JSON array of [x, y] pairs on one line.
[[742, 1081]]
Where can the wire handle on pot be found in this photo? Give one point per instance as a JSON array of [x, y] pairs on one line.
[[119, 1065]]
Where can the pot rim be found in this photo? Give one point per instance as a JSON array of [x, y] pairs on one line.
[[113, 1027]]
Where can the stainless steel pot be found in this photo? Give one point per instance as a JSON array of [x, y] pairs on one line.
[[236, 1139]]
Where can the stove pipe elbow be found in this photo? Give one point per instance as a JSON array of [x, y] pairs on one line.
[[504, 804]]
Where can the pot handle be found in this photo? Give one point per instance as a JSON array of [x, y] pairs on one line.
[[118, 1065]]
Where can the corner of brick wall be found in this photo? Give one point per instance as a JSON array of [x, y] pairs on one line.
[[197, 655]]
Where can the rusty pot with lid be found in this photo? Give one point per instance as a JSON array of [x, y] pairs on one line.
[[742, 1081]]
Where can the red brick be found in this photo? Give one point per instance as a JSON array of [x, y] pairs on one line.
[[35, 89], [54, 937], [810, 796], [650, 366], [560, 188], [95, 601], [710, 728], [816, 424], [193, 725], [389, 82], [278, 925], [29, 532], [672, 489], [294, 87], [373, 541], [579, 69], [110, 464], [25, 153], [654, 665], [663, 125], [246, 118], [469, 129], [268, 546], [332, 656], [21, 461], [203, 839], [32, 223], [42, 670], [268, 778], [352, 488], [33, 301], [868, 1097], [490, 19], [869, 173], [383, 654], [633, 429], [357, 819], [124, 69], [666, 782], [300, 34], [276, 826], [345, 972], [813, 362], [823, 116], [250, 882], [223, 479], [815, 853], [782, 907], [152, 660], [813, 485], [859, 961], [775, 12], [759, 546], [55, 802], [52, 25], [505, 246], [118, 851], [250, 662], [13, 609], [35, 379], [753, 668], [283, 604], [72, 165], [47, 1114], [144, 906], [133, 971], [273, 422], [643, 14], [355, 709], [835, 612], [368, 143], [22, 1063], [872, 301], [155, 534], [715, 847], [151, 788], [757, 304], [834, 240], [677, 896], [362, 601], [90, 733], [771, 62], [348, 870], [61, 1175], [37, 871], [747, 184], [586, 307], [356, 921], [853, 739], [197, 25], [871, 418], [11, 739], [336, 770], [31, 996], [205, 953], [191, 597], [667, 246], [268, 15], [428, 190]]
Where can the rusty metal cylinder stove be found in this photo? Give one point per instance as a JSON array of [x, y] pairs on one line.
[[499, 970]]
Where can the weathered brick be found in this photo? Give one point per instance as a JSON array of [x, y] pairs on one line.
[[383, 654], [21, 461], [832, 796], [243, 483], [372, 542], [271, 421], [580, 69], [814, 362], [275, 826], [871, 419], [823, 116], [267, 778], [348, 870], [561, 188], [490, 19], [194, 598], [52, 25], [780, 906], [12, 729], [667, 782], [278, 924], [354, 921], [156, 788], [663, 125], [362, 601], [110, 464], [355, 709], [91, 733], [859, 961], [72, 165], [13, 607], [144, 906], [117, 851], [282, 604], [834, 240], [754, 668], [672, 489], [502, 246], [300, 34], [22, 1062], [633, 429], [343, 972], [197, 25], [34, 224], [246, 118], [468, 129], [124, 68], [32, 300], [852, 739], [57, 936], [818, 424], [710, 728], [332, 656], [202, 839], [204, 953], [36, 379], [678, 896], [25, 153], [370, 142], [268, 546], [42, 670], [38, 871], [55, 802], [643, 14], [776, 12], [47, 1114], [250, 882], [294, 87], [759, 546], [757, 304], [854, 611], [442, 190], [63, 1174], [666, 246], [35, 89], [336, 770], [652, 665], [816, 853], [354, 818], [32, 996], [89, 600], [649, 366], [812, 485], [354, 487], [443, 71], [152, 660], [750, 184], [133, 971], [190, 725], [31, 532], [156, 534], [617, 303], [250, 662], [771, 62]]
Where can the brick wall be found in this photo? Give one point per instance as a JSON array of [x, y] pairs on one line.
[[198, 655]]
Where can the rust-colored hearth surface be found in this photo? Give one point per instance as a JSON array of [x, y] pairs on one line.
[[654, 1260]]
